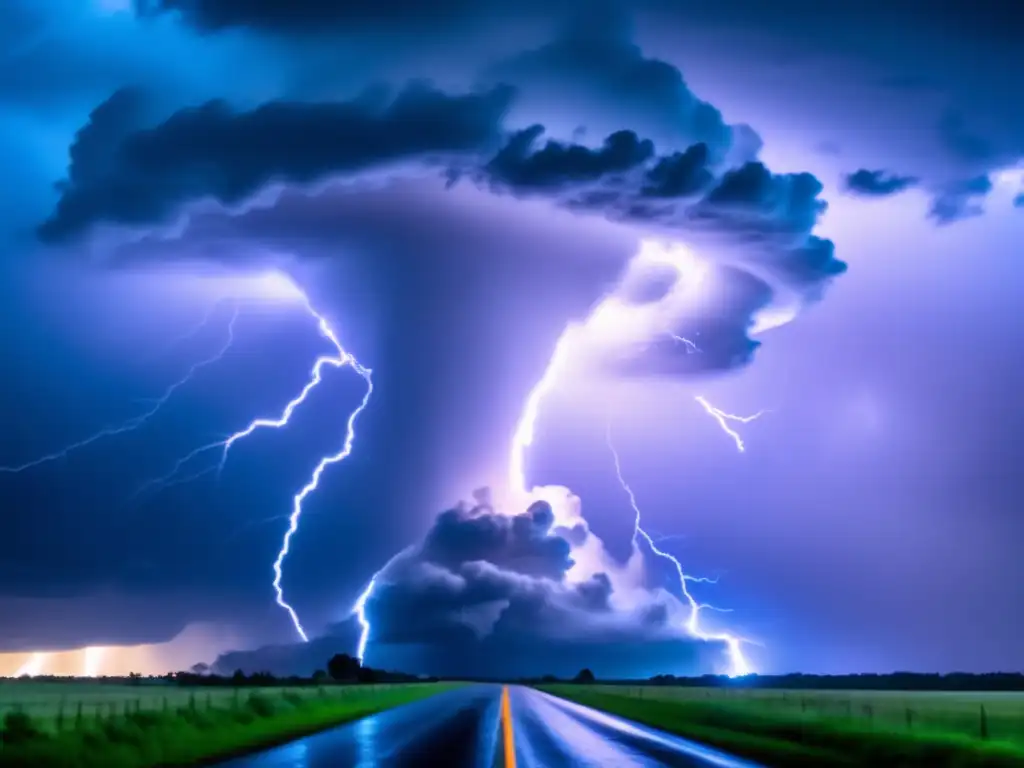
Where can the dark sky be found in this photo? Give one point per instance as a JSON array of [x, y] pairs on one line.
[[451, 189]]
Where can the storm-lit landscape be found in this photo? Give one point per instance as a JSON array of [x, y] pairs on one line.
[[556, 383]]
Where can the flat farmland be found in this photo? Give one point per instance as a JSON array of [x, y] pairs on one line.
[[67, 701], [827, 728], [991, 715], [85, 724]]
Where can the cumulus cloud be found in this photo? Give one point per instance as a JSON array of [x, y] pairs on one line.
[[487, 582], [877, 183]]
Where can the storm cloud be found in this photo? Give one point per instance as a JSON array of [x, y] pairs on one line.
[[877, 183], [961, 200], [482, 581], [141, 177]]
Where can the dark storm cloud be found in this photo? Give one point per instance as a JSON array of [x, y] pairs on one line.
[[761, 219], [961, 200], [768, 216], [595, 69], [877, 183], [308, 16], [486, 580], [942, 77], [556, 166], [143, 177], [480, 590]]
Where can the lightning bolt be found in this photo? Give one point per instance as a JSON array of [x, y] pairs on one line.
[[724, 418], [338, 359], [525, 430], [359, 609], [143, 418], [93, 657], [738, 664], [690, 345], [525, 433]]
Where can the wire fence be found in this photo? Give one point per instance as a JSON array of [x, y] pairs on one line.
[[64, 705], [988, 716]]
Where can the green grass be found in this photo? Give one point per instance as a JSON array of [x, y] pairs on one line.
[[82, 725], [827, 728]]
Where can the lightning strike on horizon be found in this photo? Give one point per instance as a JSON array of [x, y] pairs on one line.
[[525, 433], [724, 418], [341, 359], [34, 665], [139, 421], [738, 662], [359, 609], [93, 656]]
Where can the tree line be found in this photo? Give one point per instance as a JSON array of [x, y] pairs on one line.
[[895, 681]]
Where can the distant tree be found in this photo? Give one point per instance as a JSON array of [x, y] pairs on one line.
[[134, 678], [343, 667], [549, 679], [200, 669], [319, 676], [239, 678], [585, 676]]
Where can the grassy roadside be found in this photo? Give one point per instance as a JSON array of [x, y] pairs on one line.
[[193, 735], [783, 742]]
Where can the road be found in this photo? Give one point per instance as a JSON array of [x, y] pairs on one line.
[[473, 727]]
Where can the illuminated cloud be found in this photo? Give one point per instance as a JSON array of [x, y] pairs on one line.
[[486, 582]]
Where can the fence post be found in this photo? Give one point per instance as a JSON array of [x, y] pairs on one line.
[[910, 719], [983, 723], [79, 716]]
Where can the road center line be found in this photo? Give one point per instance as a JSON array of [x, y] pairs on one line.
[[506, 729]]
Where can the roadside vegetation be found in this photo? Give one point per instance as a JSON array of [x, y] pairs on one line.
[[143, 723], [930, 729]]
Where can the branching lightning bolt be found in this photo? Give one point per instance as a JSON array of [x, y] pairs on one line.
[[523, 438], [340, 358], [738, 664], [136, 421], [724, 418]]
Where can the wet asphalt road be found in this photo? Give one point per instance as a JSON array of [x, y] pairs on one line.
[[469, 727]]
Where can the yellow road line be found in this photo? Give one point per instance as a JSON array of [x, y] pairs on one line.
[[506, 729]]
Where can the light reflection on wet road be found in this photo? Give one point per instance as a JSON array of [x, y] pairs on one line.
[[461, 729]]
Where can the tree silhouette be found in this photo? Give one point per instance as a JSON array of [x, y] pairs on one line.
[[343, 667], [584, 676]]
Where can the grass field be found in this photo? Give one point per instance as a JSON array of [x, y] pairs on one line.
[[88, 725], [828, 728]]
